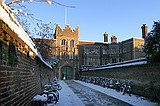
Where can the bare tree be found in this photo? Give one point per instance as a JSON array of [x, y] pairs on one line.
[[44, 33], [41, 30]]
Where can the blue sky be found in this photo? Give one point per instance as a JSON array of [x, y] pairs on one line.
[[122, 18]]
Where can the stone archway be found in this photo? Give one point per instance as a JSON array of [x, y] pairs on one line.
[[67, 72]]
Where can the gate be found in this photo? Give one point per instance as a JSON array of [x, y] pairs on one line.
[[67, 73]]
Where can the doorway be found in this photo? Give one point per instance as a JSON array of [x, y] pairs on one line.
[[67, 73]]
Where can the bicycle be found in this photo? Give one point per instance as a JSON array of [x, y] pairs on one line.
[[50, 95], [153, 92]]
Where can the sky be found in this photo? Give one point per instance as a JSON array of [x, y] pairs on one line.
[[122, 18]]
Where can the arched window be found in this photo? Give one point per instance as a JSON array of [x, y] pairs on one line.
[[63, 42], [72, 43]]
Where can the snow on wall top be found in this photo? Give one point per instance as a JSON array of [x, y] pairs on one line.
[[139, 61], [15, 26], [6, 15]]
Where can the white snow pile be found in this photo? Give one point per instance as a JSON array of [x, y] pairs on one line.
[[133, 99], [6, 15], [40, 98]]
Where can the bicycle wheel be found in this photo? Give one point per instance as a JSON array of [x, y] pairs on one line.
[[59, 87], [156, 94]]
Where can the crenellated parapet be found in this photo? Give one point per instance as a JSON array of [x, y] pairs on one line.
[[67, 28], [58, 30], [67, 31], [76, 30]]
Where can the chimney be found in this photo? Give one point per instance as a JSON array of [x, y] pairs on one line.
[[105, 37], [113, 39], [144, 30]]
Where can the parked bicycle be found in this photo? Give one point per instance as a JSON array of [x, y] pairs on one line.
[[124, 87], [50, 94], [153, 91], [55, 85]]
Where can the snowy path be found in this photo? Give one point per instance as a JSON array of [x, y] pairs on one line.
[[92, 97], [134, 99], [67, 97]]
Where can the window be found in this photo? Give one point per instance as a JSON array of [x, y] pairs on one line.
[[140, 47], [95, 50], [120, 59], [113, 60], [106, 61], [113, 51], [105, 51], [90, 61], [72, 43], [120, 50], [124, 50], [66, 43], [63, 42], [71, 55], [63, 55], [86, 50]]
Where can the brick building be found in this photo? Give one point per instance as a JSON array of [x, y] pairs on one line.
[[73, 55], [96, 54], [64, 51]]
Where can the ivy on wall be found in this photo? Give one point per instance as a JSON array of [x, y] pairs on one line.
[[0, 52], [17, 79], [13, 60]]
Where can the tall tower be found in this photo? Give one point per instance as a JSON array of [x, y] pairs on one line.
[[105, 37], [144, 28]]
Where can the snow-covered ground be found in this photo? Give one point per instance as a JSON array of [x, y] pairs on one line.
[[68, 98], [133, 99]]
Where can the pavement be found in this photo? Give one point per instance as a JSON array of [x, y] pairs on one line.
[[68, 97], [78, 93]]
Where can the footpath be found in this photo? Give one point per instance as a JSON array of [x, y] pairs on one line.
[[67, 96], [78, 93]]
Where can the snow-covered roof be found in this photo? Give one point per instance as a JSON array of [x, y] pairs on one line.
[[6, 15]]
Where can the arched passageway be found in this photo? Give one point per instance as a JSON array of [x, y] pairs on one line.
[[67, 73]]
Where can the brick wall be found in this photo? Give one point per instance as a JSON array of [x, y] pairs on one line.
[[19, 83], [140, 75], [22, 76]]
